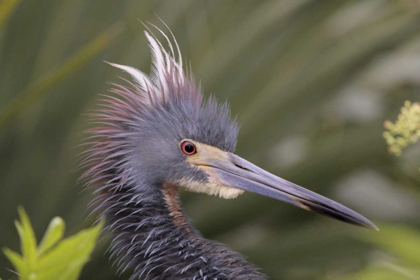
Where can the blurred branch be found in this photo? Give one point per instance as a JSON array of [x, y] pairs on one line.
[[6, 9], [39, 87]]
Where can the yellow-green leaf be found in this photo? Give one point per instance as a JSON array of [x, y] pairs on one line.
[[69, 256], [27, 238], [18, 262], [53, 234], [55, 258]]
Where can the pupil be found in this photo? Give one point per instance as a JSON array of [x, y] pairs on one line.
[[189, 148]]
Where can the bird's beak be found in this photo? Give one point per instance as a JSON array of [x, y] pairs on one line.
[[229, 170]]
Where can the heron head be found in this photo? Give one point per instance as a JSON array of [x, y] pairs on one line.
[[162, 131]]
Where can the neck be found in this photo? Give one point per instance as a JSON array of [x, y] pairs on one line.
[[153, 237]]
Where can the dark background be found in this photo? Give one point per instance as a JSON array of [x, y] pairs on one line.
[[311, 82]]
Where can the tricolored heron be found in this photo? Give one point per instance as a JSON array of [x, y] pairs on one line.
[[156, 135]]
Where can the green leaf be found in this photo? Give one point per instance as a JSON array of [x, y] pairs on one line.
[[27, 238], [53, 234]]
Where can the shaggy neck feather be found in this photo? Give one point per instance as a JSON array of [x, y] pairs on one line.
[[152, 236]]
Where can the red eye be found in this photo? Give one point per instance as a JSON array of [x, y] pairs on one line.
[[188, 148]]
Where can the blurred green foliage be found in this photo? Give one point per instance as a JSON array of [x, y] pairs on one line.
[[55, 258], [58, 73], [403, 262], [311, 82]]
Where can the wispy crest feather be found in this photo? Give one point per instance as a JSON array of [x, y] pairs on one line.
[[166, 68]]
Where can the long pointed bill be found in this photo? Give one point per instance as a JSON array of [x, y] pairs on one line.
[[229, 170]]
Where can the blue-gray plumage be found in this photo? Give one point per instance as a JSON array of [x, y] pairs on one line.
[[156, 135]]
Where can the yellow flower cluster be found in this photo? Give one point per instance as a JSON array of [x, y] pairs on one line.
[[406, 130]]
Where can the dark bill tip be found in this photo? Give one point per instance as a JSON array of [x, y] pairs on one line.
[[351, 218]]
